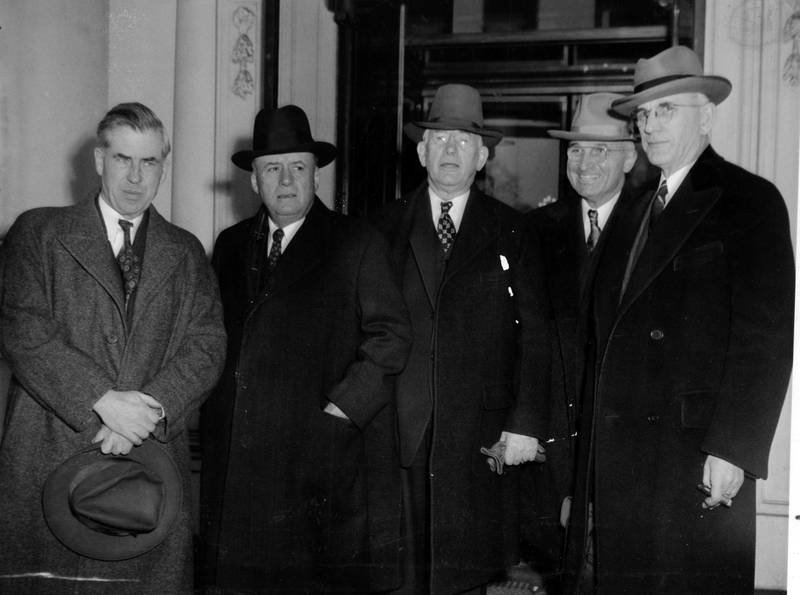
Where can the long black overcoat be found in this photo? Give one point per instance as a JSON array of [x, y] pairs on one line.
[[568, 267], [293, 499], [65, 335], [694, 359], [479, 365]]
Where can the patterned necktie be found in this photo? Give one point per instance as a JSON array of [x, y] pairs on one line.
[[446, 228], [659, 202], [594, 231], [129, 263], [275, 251]]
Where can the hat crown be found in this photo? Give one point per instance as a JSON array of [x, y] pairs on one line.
[[677, 61], [286, 126], [593, 116], [457, 103]]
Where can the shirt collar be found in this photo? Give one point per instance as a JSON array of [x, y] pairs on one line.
[[111, 219], [456, 212], [603, 213]]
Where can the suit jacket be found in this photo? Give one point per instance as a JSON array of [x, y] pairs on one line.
[[294, 499], [569, 268], [65, 335], [479, 365], [693, 360]]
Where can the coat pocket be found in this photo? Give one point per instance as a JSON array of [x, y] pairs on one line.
[[497, 400], [697, 409], [698, 256]]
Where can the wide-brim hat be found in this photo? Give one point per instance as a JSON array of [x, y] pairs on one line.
[[455, 107], [673, 71], [111, 507], [283, 130], [594, 121]]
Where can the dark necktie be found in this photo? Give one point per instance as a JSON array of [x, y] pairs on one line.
[[128, 262], [659, 202], [594, 231], [446, 228], [275, 251]]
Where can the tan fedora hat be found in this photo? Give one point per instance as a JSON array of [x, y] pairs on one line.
[[594, 121], [455, 107], [110, 507], [675, 70]]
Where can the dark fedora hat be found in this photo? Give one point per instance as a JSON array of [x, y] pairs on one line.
[[594, 121], [455, 107], [283, 130], [110, 507], [673, 71]]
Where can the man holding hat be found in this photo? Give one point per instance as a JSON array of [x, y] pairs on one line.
[[600, 151], [693, 308], [300, 485], [111, 322], [479, 368]]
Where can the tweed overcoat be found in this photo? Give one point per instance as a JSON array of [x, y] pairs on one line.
[[692, 360], [568, 265], [293, 499], [479, 365], [65, 337]]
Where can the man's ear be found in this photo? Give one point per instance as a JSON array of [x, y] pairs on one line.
[[98, 160], [254, 181], [707, 114], [421, 152], [630, 159], [164, 170], [316, 178], [483, 156]]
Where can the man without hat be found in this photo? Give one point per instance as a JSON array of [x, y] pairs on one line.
[[693, 316], [479, 368], [111, 322], [300, 484], [573, 231]]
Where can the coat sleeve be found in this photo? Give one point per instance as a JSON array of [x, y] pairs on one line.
[[531, 412], [60, 376], [758, 361], [196, 361], [368, 384]]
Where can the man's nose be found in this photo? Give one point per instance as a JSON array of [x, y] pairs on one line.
[[451, 146], [135, 173], [286, 177]]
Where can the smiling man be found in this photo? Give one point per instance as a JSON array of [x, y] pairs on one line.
[[573, 231], [479, 365], [693, 305], [111, 322], [301, 486]]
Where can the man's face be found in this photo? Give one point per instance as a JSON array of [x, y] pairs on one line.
[[671, 145], [131, 169], [452, 158], [286, 184], [597, 182]]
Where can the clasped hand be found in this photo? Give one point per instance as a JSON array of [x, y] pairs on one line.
[[521, 449], [130, 415]]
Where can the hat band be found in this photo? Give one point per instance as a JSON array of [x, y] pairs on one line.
[[457, 122], [610, 130], [280, 139], [660, 81]]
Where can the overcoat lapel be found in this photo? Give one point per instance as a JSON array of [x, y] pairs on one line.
[[425, 245], [683, 213], [474, 234], [161, 258], [303, 253], [88, 245]]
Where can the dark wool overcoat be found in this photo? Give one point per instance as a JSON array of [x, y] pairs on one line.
[[479, 365], [66, 339], [293, 499], [692, 360], [568, 265]]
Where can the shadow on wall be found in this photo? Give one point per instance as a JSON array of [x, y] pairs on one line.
[[84, 176], [238, 189]]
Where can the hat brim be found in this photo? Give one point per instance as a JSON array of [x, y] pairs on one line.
[[325, 153], [415, 130], [93, 544], [566, 135], [716, 88]]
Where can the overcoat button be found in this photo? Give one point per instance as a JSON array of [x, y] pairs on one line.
[[652, 417], [656, 334], [111, 338], [247, 441]]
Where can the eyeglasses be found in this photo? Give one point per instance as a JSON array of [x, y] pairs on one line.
[[596, 154], [662, 113]]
